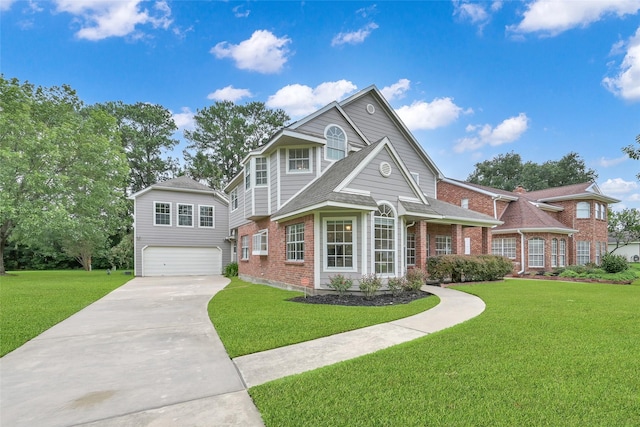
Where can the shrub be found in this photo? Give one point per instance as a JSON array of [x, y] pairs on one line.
[[459, 268], [369, 285], [396, 285], [415, 278], [614, 263], [340, 284], [231, 270]]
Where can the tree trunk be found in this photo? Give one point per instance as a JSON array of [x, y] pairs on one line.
[[5, 230]]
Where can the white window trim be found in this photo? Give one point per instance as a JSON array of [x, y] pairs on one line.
[[395, 240], [244, 239], [300, 171], [234, 195], [354, 245], [213, 216], [448, 242], [193, 214], [258, 238], [529, 254], [247, 176], [266, 171], [294, 242], [326, 147], [416, 177], [588, 212], [170, 214]]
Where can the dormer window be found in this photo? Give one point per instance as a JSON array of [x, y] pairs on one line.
[[336, 143]]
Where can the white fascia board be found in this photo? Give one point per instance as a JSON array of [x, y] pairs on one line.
[[355, 191], [479, 190], [331, 204], [555, 230], [467, 221]]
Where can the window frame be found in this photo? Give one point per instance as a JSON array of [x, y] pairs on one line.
[[583, 256], [213, 216], [299, 159], [581, 211], [261, 176], [410, 249], [353, 244], [331, 140], [294, 242], [534, 256], [247, 176], [155, 214], [385, 216], [447, 249], [507, 247], [244, 247], [179, 215], [260, 243], [233, 199], [562, 252]]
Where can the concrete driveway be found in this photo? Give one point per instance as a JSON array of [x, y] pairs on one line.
[[146, 354]]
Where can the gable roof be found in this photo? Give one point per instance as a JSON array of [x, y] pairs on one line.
[[523, 215], [585, 190], [182, 184]]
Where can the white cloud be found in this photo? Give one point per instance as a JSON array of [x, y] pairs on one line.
[[619, 186], [100, 19], [6, 4], [626, 84], [366, 11], [239, 13], [606, 163], [476, 13], [263, 52], [396, 90], [508, 131], [299, 100], [229, 93], [422, 115], [354, 37], [184, 120], [554, 17]]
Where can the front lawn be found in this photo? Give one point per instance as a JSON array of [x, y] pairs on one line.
[[33, 301], [251, 318], [544, 353]]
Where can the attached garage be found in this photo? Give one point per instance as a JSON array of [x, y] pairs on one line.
[[181, 261]]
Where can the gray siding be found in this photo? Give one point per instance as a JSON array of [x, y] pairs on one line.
[[378, 125], [148, 234], [332, 117], [274, 181], [291, 183], [383, 188], [237, 217], [261, 196]]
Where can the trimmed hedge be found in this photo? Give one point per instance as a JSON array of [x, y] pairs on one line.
[[468, 268]]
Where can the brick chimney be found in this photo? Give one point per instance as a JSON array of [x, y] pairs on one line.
[[520, 190]]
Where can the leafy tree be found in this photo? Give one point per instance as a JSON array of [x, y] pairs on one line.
[[507, 171], [146, 132], [224, 134], [633, 153], [624, 227], [63, 171]]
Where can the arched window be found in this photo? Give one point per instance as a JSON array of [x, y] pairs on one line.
[[384, 240], [336, 143]]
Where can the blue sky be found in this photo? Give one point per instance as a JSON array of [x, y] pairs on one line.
[[472, 80]]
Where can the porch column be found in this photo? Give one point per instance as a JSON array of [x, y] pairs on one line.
[[486, 241], [457, 239]]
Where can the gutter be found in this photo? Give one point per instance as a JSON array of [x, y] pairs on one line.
[[521, 251]]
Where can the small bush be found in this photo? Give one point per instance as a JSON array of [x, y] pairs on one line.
[[340, 284], [415, 278], [231, 270], [396, 285], [369, 285], [612, 263]]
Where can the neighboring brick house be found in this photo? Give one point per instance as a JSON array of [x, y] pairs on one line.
[[541, 229], [347, 190]]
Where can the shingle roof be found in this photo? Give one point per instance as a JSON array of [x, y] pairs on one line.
[[183, 183], [321, 190], [447, 211], [523, 214]]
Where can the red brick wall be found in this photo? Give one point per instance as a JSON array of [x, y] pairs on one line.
[[274, 267], [477, 202]]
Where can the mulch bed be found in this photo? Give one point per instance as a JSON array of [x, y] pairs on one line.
[[360, 301]]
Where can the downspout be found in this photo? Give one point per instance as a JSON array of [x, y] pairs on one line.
[[521, 251]]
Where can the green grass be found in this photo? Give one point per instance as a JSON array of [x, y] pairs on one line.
[[544, 353], [33, 301], [251, 318], [636, 267]]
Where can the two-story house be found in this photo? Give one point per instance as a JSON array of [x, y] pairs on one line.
[[543, 229], [346, 190]]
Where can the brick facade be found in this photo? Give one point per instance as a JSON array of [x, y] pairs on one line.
[[274, 267]]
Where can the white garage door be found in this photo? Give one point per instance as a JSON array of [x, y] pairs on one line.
[[181, 261]]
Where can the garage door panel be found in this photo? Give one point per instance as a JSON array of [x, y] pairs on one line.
[[181, 261]]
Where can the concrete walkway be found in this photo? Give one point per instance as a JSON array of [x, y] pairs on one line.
[[147, 355]]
